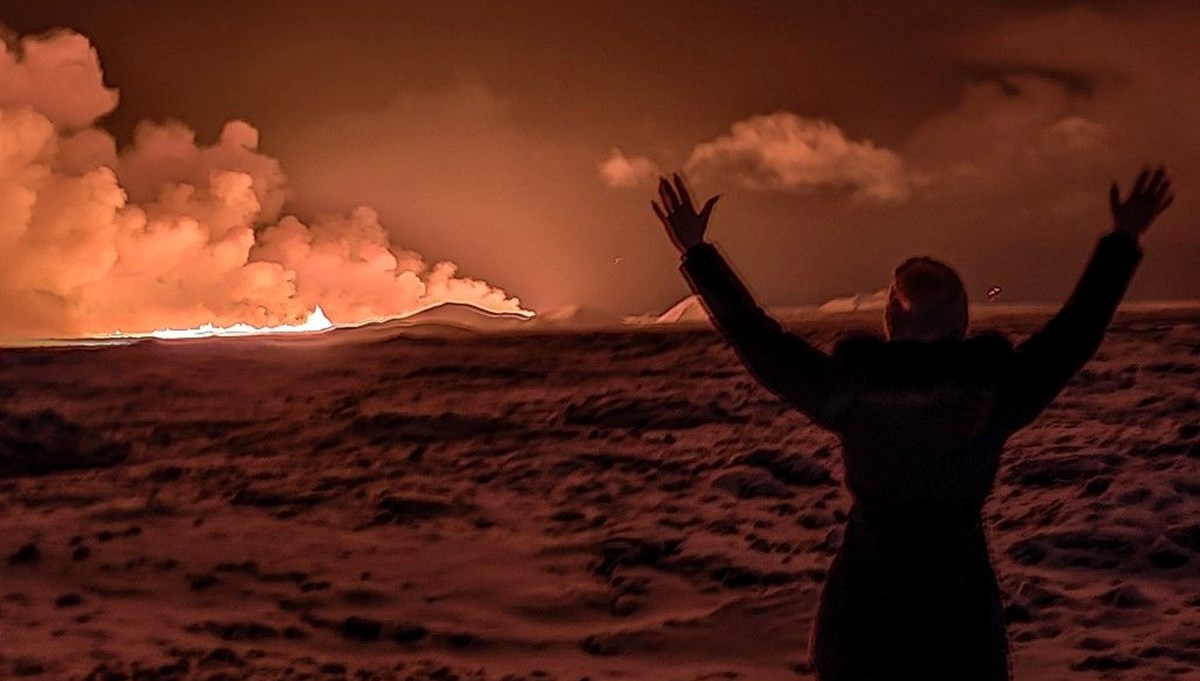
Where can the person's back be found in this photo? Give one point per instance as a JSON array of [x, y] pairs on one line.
[[912, 586], [923, 416]]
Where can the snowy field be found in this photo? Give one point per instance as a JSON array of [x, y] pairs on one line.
[[389, 503]]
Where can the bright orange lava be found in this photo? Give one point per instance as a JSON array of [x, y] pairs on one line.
[[317, 321]]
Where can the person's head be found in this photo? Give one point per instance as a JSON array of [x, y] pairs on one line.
[[927, 302]]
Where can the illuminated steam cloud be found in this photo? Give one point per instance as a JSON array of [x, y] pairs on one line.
[[779, 152], [1001, 133], [621, 171], [168, 232], [783, 151]]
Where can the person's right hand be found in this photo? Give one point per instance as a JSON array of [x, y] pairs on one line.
[[684, 225], [1150, 196]]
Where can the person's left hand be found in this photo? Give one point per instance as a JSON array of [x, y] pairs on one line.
[[684, 225]]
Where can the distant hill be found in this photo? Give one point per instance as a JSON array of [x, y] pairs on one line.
[[690, 310], [858, 302], [466, 316], [574, 317], [447, 318]]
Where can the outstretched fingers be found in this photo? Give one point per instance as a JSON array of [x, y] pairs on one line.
[[1156, 181], [667, 193], [1150, 196], [1162, 192], [662, 214], [1166, 203], [685, 198], [1161, 183], [1140, 185], [1159, 190]]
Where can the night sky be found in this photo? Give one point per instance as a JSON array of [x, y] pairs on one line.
[[843, 139]]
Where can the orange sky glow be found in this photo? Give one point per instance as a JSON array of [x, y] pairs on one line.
[[380, 160]]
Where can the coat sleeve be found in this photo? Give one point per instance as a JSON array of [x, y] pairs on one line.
[[782, 362], [1046, 361]]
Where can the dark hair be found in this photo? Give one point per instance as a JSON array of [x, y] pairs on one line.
[[927, 299]]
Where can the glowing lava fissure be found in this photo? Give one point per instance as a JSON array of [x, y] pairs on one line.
[[315, 323]]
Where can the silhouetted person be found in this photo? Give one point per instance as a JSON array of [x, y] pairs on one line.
[[922, 416]]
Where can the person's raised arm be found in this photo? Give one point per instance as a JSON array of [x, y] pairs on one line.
[[1047, 360], [784, 363]]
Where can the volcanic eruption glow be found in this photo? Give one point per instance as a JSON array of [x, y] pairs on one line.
[[315, 323], [168, 237]]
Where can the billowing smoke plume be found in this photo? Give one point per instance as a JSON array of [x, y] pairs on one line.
[[169, 232]]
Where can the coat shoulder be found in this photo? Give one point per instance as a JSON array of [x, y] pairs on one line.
[[980, 359]]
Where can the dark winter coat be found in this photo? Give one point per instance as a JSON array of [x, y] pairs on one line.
[[911, 593]]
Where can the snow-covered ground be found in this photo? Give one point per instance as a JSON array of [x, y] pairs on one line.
[[381, 503]]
